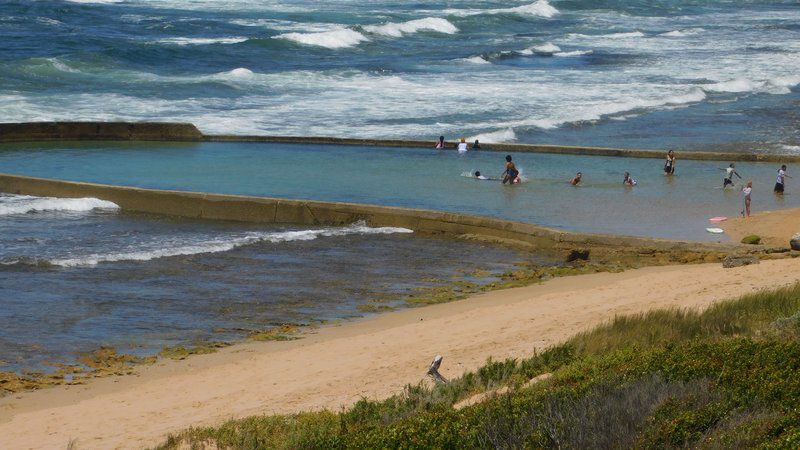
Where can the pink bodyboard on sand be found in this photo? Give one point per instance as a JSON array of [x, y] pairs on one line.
[[717, 219]]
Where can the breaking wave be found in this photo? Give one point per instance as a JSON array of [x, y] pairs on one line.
[[188, 247], [25, 204]]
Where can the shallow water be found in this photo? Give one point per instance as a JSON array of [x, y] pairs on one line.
[[676, 73], [73, 279], [670, 207]]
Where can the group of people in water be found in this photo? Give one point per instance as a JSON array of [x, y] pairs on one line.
[[511, 175]]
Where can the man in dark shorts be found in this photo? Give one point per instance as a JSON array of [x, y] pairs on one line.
[[779, 182]]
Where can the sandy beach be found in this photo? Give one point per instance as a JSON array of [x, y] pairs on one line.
[[335, 366], [775, 228]]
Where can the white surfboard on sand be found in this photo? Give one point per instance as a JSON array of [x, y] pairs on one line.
[[715, 230]]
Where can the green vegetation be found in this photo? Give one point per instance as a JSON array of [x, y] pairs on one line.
[[724, 378], [751, 239]]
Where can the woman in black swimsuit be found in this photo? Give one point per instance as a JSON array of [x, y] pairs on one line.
[[669, 165]]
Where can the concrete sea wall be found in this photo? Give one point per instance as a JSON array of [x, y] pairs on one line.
[[272, 210], [158, 131], [98, 131]]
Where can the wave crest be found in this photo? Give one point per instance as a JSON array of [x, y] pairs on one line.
[[224, 244], [393, 29], [25, 204], [334, 39]]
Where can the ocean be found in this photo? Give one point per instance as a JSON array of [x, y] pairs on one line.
[[684, 74]]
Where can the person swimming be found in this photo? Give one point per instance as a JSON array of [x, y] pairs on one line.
[[476, 145], [627, 180], [669, 164], [479, 176], [576, 179], [730, 171], [462, 146], [511, 174], [440, 144]]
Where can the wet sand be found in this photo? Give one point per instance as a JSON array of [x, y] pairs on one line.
[[335, 366], [775, 228]]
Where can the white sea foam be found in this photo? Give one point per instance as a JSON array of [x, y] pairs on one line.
[[540, 8], [683, 33], [202, 41], [499, 136], [735, 85], [334, 39], [25, 204], [625, 35], [777, 85], [573, 53], [546, 49], [474, 60], [62, 66], [188, 247], [288, 25], [392, 29], [791, 148]]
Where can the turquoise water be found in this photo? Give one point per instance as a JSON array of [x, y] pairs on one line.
[[670, 207], [674, 73]]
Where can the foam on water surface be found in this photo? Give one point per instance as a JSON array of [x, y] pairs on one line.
[[24, 204]]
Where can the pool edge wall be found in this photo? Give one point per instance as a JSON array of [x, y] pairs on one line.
[[199, 205], [187, 132]]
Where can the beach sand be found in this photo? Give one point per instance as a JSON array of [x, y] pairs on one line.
[[775, 228], [335, 366]]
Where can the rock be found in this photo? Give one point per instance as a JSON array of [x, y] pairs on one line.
[[576, 255], [753, 239], [738, 261], [795, 242]]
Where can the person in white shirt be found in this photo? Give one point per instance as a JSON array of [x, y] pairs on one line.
[[779, 182], [627, 180], [730, 171], [746, 192], [479, 176], [462, 146]]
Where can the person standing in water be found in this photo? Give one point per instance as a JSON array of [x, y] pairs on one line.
[[627, 180], [462, 146], [511, 174], [782, 175], [440, 144], [476, 145], [669, 164], [730, 171], [576, 180], [746, 192]]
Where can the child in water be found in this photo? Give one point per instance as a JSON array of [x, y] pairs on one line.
[[576, 180], [627, 180], [440, 143], [669, 164], [511, 174], [479, 176], [462, 146], [730, 171], [746, 192]]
